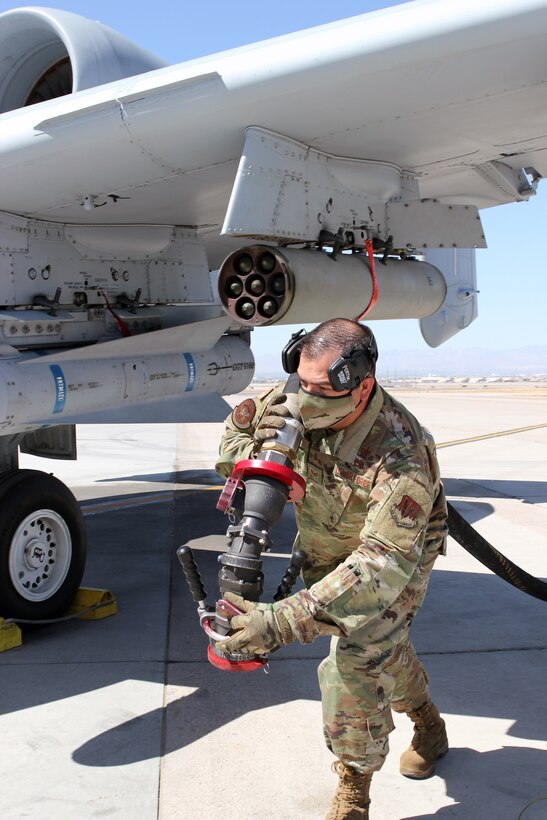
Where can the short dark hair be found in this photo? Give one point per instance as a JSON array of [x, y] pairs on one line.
[[337, 336]]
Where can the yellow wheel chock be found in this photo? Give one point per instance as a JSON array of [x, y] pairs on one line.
[[94, 604], [90, 604], [10, 635]]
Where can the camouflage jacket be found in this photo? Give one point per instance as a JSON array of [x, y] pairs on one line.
[[374, 515]]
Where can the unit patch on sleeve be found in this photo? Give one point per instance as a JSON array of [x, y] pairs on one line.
[[244, 414], [406, 512], [401, 516]]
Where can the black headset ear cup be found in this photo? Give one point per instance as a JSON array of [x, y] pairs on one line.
[[290, 355], [354, 365]]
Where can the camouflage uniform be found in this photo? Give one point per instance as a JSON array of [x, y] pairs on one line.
[[372, 523]]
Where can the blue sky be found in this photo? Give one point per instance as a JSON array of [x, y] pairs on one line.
[[512, 273]]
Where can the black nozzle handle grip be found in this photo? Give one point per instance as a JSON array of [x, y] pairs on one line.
[[292, 572], [188, 563]]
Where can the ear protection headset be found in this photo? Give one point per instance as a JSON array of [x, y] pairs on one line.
[[349, 369]]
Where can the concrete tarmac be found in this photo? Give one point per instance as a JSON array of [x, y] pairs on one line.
[[124, 718]]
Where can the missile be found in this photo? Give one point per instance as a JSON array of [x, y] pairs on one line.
[[263, 285], [58, 388]]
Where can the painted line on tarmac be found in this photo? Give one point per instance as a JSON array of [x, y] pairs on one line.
[[120, 503], [490, 435], [117, 504]]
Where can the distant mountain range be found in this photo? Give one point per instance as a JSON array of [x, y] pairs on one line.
[[399, 364]]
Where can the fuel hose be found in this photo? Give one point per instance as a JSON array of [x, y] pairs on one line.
[[462, 532]]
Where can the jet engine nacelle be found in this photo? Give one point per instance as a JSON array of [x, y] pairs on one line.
[[48, 53], [262, 285]]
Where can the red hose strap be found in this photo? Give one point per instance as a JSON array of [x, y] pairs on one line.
[[124, 330], [374, 295]]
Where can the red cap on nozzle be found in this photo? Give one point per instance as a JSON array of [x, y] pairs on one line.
[[235, 666]]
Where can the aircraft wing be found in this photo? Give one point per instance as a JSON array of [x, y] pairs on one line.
[[453, 94], [126, 184]]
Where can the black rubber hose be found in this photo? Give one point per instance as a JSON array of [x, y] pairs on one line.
[[462, 532]]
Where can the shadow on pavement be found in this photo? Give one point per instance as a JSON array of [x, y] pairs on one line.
[[482, 642], [206, 477], [529, 492], [475, 781]]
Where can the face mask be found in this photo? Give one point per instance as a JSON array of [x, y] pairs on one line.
[[320, 412]]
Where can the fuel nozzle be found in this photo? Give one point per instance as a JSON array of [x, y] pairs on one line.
[[209, 616], [254, 498]]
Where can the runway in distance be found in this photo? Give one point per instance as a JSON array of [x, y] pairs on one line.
[[231, 193]]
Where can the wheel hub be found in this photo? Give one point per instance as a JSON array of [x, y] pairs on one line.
[[40, 555], [35, 555]]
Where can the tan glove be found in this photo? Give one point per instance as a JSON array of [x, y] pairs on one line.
[[273, 419], [265, 627]]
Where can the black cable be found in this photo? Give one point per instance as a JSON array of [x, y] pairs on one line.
[[537, 800], [479, 548]]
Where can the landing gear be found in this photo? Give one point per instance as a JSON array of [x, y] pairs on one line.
[[42, 545]]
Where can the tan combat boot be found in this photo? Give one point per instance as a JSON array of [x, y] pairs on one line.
[[351, 800], [428, 744]]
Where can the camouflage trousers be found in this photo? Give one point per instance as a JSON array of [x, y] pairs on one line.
[[359, 687]]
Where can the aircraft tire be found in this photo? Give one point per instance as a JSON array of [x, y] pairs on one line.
[[42, 545]]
